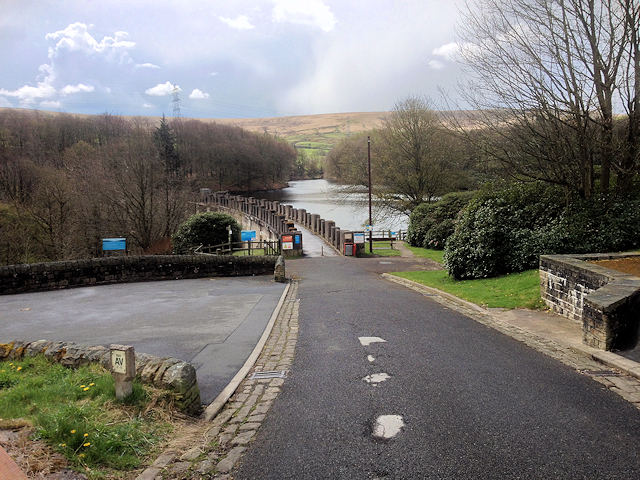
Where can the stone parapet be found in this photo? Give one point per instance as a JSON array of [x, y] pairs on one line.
[[178, 378], [136, 268], [605, 301]]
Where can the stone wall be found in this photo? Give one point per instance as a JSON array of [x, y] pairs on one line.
[[605, 301], [135, 268], [178, 378]]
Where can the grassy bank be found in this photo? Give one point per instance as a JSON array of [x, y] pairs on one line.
[[517, 290], [76, 413]]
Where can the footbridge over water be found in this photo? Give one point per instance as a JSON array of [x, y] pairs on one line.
[[277, 221]]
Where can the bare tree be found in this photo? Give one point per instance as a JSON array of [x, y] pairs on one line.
[[547, 78]]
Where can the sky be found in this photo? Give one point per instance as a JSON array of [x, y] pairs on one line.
[[225, 58]]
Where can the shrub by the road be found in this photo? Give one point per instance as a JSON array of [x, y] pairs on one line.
[[430, 224], [506, 230], [209, 228]]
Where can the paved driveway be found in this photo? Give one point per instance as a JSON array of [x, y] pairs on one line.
[[213, 323]]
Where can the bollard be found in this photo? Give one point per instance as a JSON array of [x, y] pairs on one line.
[[123, 369]]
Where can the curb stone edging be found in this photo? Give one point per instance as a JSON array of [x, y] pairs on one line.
[[579, 357], [231, 422]]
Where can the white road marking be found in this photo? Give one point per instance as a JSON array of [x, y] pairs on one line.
[[376, 378], [371, 358], [366, 341], [388, 426]]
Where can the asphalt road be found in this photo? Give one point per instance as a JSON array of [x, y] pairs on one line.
[[213, 323], [469, 402]]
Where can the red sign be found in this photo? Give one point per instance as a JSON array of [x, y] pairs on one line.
[[287, 238]]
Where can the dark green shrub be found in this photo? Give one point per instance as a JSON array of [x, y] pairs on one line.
[[209, 228], [506, 230], [430, 224]]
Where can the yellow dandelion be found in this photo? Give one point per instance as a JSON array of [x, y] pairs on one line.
[[86, 434], [19, 368], [87, 444], [73, 431], [86, 388], [81, 386], [81, 455], [2, 371], [11, 364], [91, 384], [64, 445]]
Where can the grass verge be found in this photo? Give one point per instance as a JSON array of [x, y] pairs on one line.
[[380, 249], [435, 255], [77, 414], [516, 290]]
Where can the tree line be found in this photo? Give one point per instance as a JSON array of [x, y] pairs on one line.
[[67, 182]]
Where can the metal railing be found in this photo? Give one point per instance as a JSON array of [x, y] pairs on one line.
[[258, 247]]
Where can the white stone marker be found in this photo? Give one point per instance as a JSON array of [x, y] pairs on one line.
[[123, 369]]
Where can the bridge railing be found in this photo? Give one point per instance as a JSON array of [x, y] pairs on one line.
[[258, 247]]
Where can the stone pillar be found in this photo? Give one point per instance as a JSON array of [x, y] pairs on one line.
[[314, 222], [329, 225], [302, 215], [336, 238]]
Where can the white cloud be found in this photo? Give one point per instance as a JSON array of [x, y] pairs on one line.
[[146, 65], [449, 50], [241, 22], [162, 89], [76, 38], [304, 12], [69, 89], [198, 94], [29, 94], [436, 65], [148, 105]]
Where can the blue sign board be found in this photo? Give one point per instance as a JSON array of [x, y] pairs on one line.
[[114, 244], [247, 235], [297, 239]]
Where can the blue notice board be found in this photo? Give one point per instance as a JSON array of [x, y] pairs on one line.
[[247, 235], [114, 244]]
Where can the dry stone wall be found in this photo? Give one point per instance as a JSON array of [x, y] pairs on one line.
[[178, 378]]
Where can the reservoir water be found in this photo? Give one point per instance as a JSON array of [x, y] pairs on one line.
[[350, 211]]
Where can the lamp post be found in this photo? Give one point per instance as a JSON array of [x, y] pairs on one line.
[[370, 217]]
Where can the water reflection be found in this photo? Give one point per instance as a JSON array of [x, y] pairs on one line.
[[329, 200]]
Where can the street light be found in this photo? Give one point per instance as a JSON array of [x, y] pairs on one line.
[[370, 217]]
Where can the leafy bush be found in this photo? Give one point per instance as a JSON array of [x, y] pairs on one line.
[[209, 228], [430, 224], [506, 230]]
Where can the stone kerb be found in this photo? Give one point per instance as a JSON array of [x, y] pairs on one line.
[[178, 378], [605, 301]]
